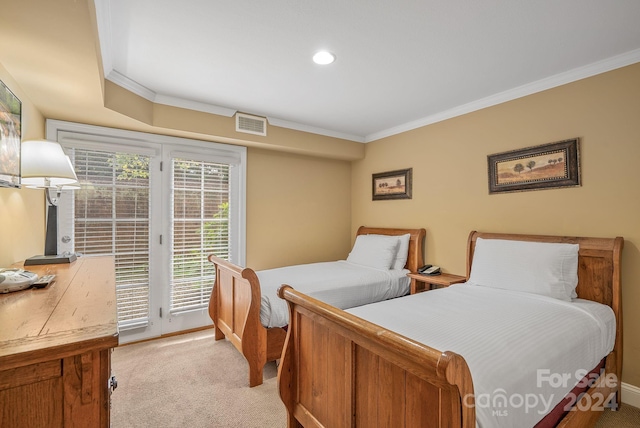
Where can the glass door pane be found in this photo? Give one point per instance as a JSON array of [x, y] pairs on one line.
[[199, 227], [111, 216]]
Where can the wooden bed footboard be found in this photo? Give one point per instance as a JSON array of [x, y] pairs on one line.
[[234, 308], [338, 370]]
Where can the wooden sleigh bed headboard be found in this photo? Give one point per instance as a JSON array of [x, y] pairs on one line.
[[234, 306], [338, 370]]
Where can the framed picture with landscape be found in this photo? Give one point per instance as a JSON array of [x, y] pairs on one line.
[[392, 184], [10, 130], [533, 168]]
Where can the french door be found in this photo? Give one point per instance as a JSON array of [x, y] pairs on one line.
[[201, 222], [159, 208]]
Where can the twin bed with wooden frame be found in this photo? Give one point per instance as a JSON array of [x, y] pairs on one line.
[[339, 370], [235, 304]]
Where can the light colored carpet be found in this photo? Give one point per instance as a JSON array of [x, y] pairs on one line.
[[626, 417], [193, 381]]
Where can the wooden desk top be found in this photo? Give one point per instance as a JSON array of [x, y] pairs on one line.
[[77, 311]]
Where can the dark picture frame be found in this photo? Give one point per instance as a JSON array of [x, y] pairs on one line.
[[547, 166], [10, 137], [392, 184]]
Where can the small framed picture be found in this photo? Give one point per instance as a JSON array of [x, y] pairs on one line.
[[533, 168], [392, 185]]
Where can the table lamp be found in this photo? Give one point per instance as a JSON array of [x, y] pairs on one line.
[[44, 165]]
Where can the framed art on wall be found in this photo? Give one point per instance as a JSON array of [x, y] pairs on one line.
[[392, 184], [546, 166], [10, 131]]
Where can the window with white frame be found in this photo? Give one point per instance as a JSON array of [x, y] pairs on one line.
[[111, 217], [200, 226]]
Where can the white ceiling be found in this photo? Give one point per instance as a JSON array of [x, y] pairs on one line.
[[400, 64]]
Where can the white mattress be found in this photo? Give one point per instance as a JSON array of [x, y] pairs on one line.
[[516, 344], [340, 284]]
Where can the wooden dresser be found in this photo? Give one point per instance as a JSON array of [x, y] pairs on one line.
[[55, 347]]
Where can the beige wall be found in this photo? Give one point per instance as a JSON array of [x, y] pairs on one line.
[[298, 209], [450, 191], [22, 210]]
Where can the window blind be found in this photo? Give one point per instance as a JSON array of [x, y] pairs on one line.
[[111, 217], [200, 226]]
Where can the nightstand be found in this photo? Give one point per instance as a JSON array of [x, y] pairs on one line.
[[421, 283]]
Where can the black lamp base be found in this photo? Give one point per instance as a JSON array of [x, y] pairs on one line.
[[51, 256], [49, 260]]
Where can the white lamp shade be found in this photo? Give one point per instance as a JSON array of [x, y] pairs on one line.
[[44, 164]]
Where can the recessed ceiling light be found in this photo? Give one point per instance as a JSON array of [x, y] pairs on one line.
[[324, 58]]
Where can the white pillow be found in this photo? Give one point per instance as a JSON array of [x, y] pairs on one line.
[[549, 269], [403, 252], [377, 251]]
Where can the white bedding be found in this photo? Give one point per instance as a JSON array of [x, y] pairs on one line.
[[340, 284], [517, 345]]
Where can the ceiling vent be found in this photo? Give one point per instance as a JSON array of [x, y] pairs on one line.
[[251, 124]]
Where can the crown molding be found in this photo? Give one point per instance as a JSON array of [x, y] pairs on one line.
[[194, 105], [314, 130], [130, 85], [103, 20], [576, 74], [148, 94]]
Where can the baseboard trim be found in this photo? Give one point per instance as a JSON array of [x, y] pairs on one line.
[[630, 395]]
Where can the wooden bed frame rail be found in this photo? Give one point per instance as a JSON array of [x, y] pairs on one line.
[[338, 370], [234, 305]]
